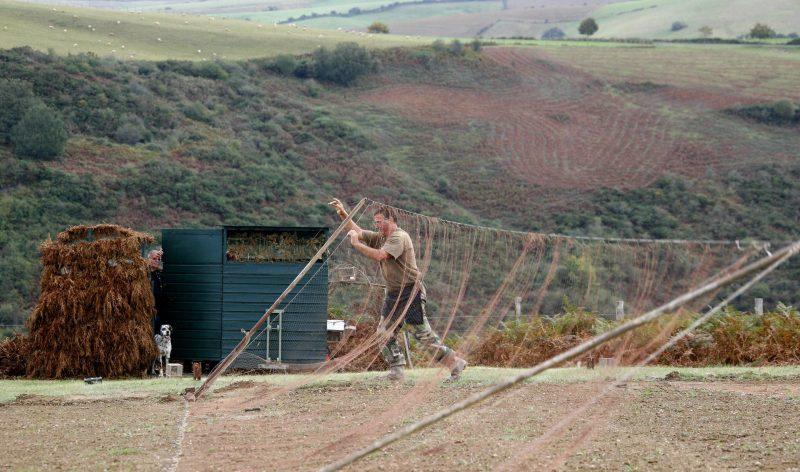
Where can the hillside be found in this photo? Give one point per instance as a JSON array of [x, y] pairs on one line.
[[151, 36], [577, 140], [651, 19]]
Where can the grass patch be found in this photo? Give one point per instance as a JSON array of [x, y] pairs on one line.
[[11, 389]]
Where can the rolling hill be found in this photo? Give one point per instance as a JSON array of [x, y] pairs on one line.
[[650, 19], [151, 36]]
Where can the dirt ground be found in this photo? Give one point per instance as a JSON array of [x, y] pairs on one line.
[[641, 425]]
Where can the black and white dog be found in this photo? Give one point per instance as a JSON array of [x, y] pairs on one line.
[[164, 343]]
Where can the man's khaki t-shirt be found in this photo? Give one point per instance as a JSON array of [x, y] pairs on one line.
[[400, 270]]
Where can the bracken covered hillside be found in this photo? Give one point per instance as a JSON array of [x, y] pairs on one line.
[[659, 142]]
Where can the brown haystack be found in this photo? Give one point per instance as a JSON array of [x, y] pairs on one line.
[[13, 356], [95, 310]]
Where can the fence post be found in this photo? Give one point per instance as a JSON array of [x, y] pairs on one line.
[[620, 314], [518, 307], [759, 307]]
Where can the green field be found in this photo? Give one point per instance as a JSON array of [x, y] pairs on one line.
[[153, 36], [727, 18], [321, 7], [403, 14]]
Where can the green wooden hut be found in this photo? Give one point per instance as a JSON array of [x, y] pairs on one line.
[[218, 282]]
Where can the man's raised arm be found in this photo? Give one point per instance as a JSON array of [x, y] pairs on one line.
[[339, 207]]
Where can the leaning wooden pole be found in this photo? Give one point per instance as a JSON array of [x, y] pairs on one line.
[[225, 363], [565, 356]]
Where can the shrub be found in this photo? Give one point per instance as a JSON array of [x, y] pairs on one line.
[[378, 27], [439, 46], [284, 64], [784, 110], [554, 33], [16, 96], [678, 25], [39, 134], [196, 111], [476, 45], [131, 130], [456, 48], [343, 65], [588, 27], [762, 31], [794, 42], [706, 31]]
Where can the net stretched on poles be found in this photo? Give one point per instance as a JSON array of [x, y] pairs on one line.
[[498, 298]]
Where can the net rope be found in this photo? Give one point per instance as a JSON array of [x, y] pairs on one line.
[[474, 276]]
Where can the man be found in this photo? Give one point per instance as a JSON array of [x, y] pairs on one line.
[[392, 248]]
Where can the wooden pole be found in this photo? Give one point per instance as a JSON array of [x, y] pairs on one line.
[[225, 363], [565, 356], [759, 307], [408, 350]]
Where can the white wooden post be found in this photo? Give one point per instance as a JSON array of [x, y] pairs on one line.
[[620, 314], [518, 307], [759, 307]]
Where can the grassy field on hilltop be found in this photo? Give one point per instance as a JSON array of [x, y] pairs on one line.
[[152, 36], [727, 18], [405, 13]]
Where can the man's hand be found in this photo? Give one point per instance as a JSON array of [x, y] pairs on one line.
[[353, 235], [339, 207]]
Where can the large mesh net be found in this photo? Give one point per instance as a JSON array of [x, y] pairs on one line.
[[556, 291]]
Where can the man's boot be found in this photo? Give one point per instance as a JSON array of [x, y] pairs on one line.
[[456, 366], [395, 374]]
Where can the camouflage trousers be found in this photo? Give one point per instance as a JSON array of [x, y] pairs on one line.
[[416, 322]]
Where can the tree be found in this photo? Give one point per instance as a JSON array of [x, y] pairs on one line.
[[588, 27], [706, 31], [378, 28], [16, 96], [762, 31], [553, 33], [678, 25], [39, 134]]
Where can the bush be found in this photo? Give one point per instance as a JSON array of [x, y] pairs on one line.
[[344, 65], [476, 45], [284, 64], [456, 48], [794, 42], [131, 130], [762, 31], [678, 25], [378, 27], [784, 110], [588, 27], [40, 134], [554, 33], [16, 96], [439, 46]]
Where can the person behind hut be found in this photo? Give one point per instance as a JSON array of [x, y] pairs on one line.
[[155, 266], [392, 248]]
